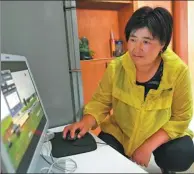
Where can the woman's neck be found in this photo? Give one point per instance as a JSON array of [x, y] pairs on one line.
[[149, 67], [146, 72]]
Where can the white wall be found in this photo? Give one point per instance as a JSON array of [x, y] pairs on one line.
[[191, 46]]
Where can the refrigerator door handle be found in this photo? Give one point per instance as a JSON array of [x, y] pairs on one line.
[[74, 70]]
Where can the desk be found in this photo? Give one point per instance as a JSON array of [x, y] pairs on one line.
[[103, 160]]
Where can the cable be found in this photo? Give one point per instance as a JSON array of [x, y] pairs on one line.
[[70, 165], [46, 159], [63, 165], [47, 147], [44, 170], [101, 143]]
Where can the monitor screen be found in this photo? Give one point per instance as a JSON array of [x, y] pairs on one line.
[[22, 115]]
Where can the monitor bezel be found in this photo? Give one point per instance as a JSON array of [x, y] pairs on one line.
[[7, 166]]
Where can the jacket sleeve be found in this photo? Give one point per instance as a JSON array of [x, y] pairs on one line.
[[182, 107], [101, 103]]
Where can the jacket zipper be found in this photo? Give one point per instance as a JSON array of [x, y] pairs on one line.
[[135, 134]]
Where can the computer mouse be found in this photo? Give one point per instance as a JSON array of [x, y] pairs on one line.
[[68, 136]]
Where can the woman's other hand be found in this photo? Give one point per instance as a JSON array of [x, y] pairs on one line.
[[142, 155]]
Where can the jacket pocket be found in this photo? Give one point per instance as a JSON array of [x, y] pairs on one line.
[[162, 100], [126, 97]]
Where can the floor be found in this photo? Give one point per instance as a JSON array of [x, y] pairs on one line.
[[153, 168]]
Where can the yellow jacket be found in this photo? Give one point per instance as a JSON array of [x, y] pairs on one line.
[[134, 120]]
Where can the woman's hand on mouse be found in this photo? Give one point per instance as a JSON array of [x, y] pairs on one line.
[[87, 123]]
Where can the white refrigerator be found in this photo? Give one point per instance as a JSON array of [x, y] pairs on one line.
[[45, 32]]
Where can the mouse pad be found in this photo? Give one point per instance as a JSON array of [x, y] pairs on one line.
[[62, 148]]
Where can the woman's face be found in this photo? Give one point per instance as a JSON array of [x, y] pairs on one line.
[[143, 48]]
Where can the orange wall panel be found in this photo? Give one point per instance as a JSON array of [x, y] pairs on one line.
[[92, 73], [165, 4], [96, 26], [124, 15], [180, 13]]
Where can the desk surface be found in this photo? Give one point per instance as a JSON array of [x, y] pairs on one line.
[[103, 160]]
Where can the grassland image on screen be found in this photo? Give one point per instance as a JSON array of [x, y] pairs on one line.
[[21, 113]]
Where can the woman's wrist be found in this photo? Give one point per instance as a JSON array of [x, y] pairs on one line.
[[90, 121], [157, 139]]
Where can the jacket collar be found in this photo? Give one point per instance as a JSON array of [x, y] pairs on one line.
[[169, 70]]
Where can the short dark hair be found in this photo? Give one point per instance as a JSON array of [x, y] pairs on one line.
[[158, 21]]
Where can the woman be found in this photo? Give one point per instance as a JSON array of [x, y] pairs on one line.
[[149, 91]]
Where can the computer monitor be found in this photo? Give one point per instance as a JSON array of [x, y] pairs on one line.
[[23, 118]]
